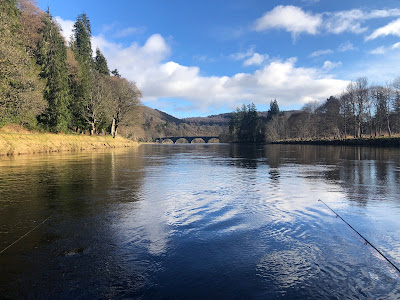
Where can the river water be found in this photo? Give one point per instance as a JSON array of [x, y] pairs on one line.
[[204, 221]]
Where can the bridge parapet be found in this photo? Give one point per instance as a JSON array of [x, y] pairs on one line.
[[190, 139]]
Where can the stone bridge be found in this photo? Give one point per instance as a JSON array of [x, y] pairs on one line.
[[189, 139]]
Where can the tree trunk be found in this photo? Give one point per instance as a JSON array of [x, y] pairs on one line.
[[92, 129], [388, 125], [113, 131]]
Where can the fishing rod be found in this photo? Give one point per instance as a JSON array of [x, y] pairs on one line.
[[25, 234], [365, 240]]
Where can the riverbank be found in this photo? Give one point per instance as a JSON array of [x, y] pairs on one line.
[[371, 142], [15, 140]]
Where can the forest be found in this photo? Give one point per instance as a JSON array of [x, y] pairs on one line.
[[362, 110], [51, 85]]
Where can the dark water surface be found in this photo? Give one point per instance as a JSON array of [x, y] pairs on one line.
[[200, 222]]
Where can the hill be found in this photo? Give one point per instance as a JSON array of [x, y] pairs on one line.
[[156, 124]]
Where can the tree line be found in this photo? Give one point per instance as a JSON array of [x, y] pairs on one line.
[[48, 83], [362, 110]]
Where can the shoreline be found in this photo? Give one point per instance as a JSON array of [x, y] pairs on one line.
[[370, 142], [19, 142]]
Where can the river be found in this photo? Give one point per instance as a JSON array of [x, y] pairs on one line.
[[203, 221]]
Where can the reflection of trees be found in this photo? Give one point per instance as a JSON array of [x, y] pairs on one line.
[[246, 156], [364, 173], [65, 184]]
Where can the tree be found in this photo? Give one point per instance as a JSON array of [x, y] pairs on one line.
[[100, 63], [31, 18], [361, 101], [99, 101], [124, 106], [21, 97], [245, 124], [329, 117], [52, 57], [115, 73], [273, 110], [82, 48]]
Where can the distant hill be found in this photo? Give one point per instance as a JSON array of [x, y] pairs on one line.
[[156, 124]]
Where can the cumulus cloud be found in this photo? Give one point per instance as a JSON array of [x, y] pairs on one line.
[[393, 28], [160, 78], [290, 18], [328, 65], [321, 52]]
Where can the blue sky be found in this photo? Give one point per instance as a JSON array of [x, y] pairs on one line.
[[196, 58]]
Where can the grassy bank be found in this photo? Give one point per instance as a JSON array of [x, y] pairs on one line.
[[372, 142], [15, 140]]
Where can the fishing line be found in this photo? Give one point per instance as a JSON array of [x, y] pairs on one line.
[[366, 242], [25, 235]]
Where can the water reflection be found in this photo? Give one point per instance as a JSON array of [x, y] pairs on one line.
[[194, 221]]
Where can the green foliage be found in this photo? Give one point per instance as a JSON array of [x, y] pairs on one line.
[[273, 110], [245, 126], [20, 88], [52, 58], [100, 63], [116, 73]]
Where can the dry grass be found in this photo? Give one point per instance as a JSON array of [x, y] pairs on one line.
[[15, 140]]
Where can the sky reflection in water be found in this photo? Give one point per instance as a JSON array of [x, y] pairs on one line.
[[196, 221]]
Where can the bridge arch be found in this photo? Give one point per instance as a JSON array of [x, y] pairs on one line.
[[167, 141], [198, 140], [182, 140], [213, 140]]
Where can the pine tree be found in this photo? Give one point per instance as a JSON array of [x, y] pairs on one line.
[[100, 63], [82, 48], [52, 58]]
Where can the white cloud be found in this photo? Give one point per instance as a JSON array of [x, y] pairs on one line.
[[321, 52], [159, 78], [67, 27], [348, 20], [256, 60], [351, 20], [328, 65], [290, 18], [393, 28], [396, 46], [242, 55], [296, 21], [129, 31], [379, 50], [346, 47]]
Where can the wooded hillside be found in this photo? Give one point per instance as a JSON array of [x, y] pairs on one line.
[[48, 84]]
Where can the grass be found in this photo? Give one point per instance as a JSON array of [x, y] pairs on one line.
[[15, 140]]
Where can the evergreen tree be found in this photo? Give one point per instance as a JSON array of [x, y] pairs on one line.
[[245, 124], [273, 110], [82, 48], [53, 61], [116, 73], [100, 63], [82, 44]]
